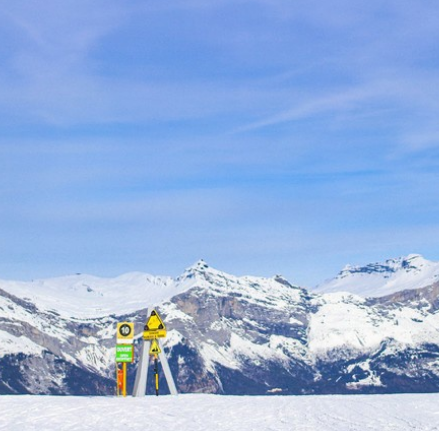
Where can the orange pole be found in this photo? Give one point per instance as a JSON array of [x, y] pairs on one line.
[[124, 387], [117, 379]]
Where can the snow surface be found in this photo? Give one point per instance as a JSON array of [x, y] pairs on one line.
[[214, 412], [381, 279]]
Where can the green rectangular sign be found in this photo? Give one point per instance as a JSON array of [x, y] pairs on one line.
[[124, 353]]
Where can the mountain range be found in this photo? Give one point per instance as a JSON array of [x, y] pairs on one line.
[[371, 329]]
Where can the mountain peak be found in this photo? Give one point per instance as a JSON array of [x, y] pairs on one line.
[[279, 278], [200, 266], [407, 263], [197, 272], [383, 278]]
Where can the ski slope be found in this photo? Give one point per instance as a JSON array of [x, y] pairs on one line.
[[225, 413]]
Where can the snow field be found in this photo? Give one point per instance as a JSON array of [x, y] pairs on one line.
[[198, 412]]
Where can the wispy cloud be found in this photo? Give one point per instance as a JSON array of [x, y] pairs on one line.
[[342, 100]]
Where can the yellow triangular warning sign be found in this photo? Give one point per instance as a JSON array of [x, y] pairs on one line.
[[154, 328], [155, 348], [154, 322]]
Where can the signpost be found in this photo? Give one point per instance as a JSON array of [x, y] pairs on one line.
[[124, 353], [154, 330]]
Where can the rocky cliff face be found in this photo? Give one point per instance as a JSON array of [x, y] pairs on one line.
[[233, 335], [248, 335]]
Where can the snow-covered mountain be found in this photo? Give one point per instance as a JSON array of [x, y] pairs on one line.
[[380, 279], [86, 296], [226, 334]]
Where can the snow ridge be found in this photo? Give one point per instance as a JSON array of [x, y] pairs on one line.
[[381, 279]]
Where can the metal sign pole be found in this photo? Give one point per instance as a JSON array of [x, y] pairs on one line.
[[142, 370], [167, 370]]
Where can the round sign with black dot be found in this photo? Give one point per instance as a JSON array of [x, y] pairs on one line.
[[125, 330]]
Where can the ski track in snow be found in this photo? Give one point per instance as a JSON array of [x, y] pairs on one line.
[[214, 412]]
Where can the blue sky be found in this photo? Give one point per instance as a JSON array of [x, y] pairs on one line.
[[264, 136]]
